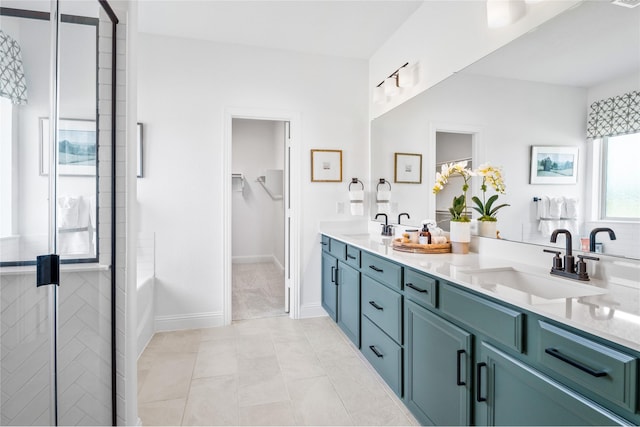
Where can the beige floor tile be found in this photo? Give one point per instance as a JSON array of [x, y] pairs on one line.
[[168, 378], [298, 360], [267, 365], [260, 389], [187, 341], [162, 413], [219, 333], [315, 402], [255, 346], [270, 414], [142, 376], [216, 358], [212, 401], [380, 415]]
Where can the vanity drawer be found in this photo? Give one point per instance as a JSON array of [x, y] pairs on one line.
[[353, 257], [603, 370], [338, 249], [383, 307], [384, 354], [325, 241], [503, 324], [382, 270], [420, 288]]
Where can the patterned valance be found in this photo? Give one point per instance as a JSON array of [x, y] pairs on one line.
[[12, 81], [619, 115]]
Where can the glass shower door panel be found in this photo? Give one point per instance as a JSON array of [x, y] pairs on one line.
[[25, 334]]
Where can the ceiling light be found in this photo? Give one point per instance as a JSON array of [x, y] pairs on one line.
[[504, 12]]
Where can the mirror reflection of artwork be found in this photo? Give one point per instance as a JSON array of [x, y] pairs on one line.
[[326, 165], [77, 147], [408, 168], [554, 165]]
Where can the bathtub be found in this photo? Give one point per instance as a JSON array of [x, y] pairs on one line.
[[146, 290]]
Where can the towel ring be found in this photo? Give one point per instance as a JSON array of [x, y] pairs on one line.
[[355, 181], [382, 182]]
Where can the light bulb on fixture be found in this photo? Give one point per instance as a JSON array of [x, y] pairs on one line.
[[406, 76], [391, 86], [379, 97], [504, 12]]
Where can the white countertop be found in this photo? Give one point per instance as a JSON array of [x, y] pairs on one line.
[[612, 311]]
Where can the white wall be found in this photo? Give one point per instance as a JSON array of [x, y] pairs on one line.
[[444, 37], [257, 220], [183, 88]]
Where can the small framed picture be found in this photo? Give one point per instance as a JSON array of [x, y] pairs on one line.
[[326, 165], [77, 147], [407, 168], [554, 164], [140, 169]]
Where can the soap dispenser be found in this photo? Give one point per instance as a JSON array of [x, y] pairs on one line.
[[425, 236]]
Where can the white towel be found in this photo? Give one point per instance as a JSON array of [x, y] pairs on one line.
[[547, 226], [570, 210], [383, 196], [68, 212], [357, 208], [555, 207], [356, 195], [543, 207]]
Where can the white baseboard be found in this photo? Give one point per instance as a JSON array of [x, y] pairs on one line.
[[312, 310], [188, 321]]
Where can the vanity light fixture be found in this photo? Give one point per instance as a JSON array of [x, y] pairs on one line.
[[504, 12], [391, 85], [407, 76]]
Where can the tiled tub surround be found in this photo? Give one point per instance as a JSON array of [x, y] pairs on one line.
[[618, 277]]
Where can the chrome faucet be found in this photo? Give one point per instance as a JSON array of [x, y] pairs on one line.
[[571, 270], [401, 215], [387, 230], [592, 237]]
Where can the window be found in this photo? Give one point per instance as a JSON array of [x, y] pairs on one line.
[[620, 196]]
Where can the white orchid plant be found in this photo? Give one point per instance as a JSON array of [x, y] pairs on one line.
[[459, 208], [492, 176]]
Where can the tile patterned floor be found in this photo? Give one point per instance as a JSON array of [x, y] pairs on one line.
[[270, 371], [258, 291]]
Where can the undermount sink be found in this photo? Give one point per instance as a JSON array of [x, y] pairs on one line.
[[504, 280]]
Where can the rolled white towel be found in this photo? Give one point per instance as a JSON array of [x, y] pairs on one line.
[[555, 207], [357, 208], [543, 207], [383, 196], [68, 212], [547, 226], [356, 195], [570, 210]]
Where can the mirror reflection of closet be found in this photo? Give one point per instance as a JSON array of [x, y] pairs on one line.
[[452, 148]]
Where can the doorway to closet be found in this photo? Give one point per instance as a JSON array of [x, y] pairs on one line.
[[258, 218]]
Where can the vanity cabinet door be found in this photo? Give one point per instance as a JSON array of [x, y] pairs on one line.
[[437, 368], [330, 285], [349, 302], [509, 392]]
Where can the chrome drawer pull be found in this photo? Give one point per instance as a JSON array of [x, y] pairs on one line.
[[415, 288], [376, 306], [375, 350], [374, 268], [555, 353]]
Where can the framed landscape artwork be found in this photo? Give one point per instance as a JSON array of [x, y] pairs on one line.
[[77, 147], [554, 164]]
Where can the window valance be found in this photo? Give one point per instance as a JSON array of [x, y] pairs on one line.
[[12, 82], [619, 115]]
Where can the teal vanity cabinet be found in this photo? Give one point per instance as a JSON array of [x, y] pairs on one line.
[[437, 368], [381, 306], [349, 301], [341, 286], [510, 392]]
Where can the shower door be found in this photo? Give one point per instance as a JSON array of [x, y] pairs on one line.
[[55, 193]]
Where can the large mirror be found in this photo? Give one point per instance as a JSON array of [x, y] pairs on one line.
[[534, 92]]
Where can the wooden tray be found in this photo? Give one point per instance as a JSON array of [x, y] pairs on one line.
[[417, 248]]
